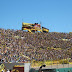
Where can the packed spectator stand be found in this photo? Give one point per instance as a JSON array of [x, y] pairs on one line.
[[15, 45]]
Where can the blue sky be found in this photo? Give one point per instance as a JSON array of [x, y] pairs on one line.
[[56, 15]]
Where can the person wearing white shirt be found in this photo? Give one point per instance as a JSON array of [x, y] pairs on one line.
[[8, 70]]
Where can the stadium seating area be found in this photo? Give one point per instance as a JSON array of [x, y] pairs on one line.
[[19, 46]]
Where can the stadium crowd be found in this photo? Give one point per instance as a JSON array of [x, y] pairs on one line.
[[21, 46]]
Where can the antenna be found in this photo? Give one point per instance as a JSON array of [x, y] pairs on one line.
[[40, 22], [22, 19]]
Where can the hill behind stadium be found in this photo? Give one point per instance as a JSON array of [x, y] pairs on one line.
[[20, 46]]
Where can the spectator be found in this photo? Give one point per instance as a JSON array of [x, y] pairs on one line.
[[20, 46]]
